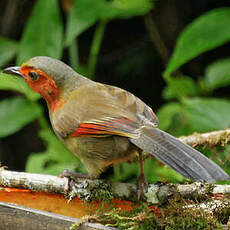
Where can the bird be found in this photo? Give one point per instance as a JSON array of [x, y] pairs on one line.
[[104, 125]]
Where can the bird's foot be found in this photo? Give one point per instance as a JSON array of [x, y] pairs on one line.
[[70, 176], [142, 186]]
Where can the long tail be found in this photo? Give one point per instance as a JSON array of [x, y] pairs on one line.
[[179, 156]]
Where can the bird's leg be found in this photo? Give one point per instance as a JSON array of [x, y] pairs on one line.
[[71, 176], [142, 183]]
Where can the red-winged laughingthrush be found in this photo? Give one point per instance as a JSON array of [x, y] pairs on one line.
[[103, 125]]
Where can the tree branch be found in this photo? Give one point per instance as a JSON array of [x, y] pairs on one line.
[[220, 137], [101, 190]]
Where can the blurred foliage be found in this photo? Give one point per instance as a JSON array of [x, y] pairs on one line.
[[55, 159], [204, 33], [83, 14], [217, 74], [188, 106], [8, 50], [16, 113], [44, 35]]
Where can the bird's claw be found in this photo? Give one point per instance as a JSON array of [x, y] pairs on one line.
[[70, 176]]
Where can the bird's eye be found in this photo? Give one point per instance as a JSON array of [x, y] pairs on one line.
[[33, 76]]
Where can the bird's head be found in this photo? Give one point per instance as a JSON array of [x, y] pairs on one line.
[[46, 76]]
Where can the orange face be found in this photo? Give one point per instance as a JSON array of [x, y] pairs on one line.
[[43, 84]]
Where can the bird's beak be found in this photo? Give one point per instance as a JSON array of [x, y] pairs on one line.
[[15, 70]]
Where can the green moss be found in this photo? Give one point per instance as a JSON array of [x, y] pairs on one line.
[[100, 191], [174, 216], [222, 212], [139, 218], [192, 220]]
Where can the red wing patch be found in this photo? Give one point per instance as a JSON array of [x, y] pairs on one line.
[[105, 127]]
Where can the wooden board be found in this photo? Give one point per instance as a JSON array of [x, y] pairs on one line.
[[15, 217]]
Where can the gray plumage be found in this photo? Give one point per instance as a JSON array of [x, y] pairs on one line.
[[179, 156], [63, 74]]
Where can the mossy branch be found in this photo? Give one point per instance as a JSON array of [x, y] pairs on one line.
[[220, 137], [102, 190]]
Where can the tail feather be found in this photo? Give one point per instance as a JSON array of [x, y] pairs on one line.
[[181, 157]]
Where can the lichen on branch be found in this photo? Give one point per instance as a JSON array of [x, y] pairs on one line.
[[220, 137]]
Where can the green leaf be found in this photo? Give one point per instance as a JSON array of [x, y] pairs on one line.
[[9, 82], [195, 115], [85, 13], [204, 33], [218, 74], [43, 32], [166, 113], [8, 49], [130, 8], [16, 113], [81, 17], [55, 159], [180, 87], [205, 115]]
